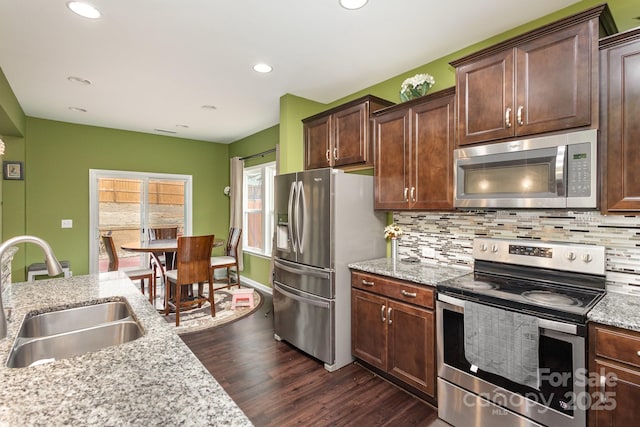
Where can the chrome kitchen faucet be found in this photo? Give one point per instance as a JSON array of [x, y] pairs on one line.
[[53, 268]]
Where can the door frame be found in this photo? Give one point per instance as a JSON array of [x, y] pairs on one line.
[[94, 221]]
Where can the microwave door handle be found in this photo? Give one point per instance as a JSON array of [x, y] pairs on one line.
[[560, 171], [290, 211]]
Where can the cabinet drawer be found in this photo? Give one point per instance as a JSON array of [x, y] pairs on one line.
[[396, 289], [618, 344]]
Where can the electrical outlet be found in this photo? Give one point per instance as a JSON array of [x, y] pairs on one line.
[[66, 223], [428, 252]]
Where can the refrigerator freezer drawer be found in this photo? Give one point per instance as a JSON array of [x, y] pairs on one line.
[[313, 280], [305, 321]]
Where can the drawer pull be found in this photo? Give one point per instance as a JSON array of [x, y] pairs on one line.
[[367, 283], [638, 353], [409, 294], [382, 314]]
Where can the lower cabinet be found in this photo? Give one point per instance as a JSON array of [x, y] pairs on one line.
[[393, 329], [614, 368]]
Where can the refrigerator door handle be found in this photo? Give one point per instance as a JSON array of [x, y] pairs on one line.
[[293, 296], [304, 272], [302, 205], [292, 195]]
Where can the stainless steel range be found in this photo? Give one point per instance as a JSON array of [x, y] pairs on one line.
[[512, 334]]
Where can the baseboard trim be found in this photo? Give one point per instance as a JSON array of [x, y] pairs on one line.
[[257, 285]]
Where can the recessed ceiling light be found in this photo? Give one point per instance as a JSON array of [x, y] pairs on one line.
[[352, 4], [77, 110], [209, 107], [79, 80], [262, 68], [84, 9]]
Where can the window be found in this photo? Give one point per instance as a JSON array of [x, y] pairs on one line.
[[257, 208]]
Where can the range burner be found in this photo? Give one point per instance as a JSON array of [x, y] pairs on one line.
[[551, 298], [476, 284]]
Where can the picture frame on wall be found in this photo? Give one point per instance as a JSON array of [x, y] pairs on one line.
[[12, 170]]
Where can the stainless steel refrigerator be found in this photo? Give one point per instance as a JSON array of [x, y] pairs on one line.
[[324, 221]]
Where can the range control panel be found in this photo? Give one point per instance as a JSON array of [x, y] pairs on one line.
[[574, 257], [531, 251]]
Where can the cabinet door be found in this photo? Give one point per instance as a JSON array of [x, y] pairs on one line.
[[350, 143], [485, 98], [431, 154], [390, 171], [621, 127], [622, 396], [369, 328], [411, 346], [554, 81], [317, 143]]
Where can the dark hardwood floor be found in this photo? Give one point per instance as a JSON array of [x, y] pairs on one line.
[[277, 385]]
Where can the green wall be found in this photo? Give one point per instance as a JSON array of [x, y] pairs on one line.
[[256, 267], [58, 157]]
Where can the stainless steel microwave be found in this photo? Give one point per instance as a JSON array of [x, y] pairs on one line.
[[556, 171]]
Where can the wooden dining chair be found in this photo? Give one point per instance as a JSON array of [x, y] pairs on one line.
[[230, 259], [134, 273], [162, 233], [193, 265]]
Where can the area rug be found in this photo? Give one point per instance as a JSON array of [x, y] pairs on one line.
[[198, 319]]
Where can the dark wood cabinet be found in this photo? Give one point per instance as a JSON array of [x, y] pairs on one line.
[[340, 137], [413, 146], [619, 124], [542, 81], [615, 368], [393, 329]]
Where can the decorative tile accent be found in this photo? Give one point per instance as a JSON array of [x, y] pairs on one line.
[[451, 235]]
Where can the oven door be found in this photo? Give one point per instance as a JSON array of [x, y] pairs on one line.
[[486, 396]]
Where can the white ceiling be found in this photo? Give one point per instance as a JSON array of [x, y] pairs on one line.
[[155, 63]]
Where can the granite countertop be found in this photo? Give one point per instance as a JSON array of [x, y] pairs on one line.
[[617, 309], [422, 273], [154, 380]]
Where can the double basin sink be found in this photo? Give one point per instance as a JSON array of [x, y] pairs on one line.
[[68, 332]]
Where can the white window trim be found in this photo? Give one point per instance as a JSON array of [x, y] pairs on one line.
[[267, 217]]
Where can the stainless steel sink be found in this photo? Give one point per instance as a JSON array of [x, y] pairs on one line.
[[57, 322], [71, 332]]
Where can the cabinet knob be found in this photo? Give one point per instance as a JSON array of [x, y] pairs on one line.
[[638, 353]]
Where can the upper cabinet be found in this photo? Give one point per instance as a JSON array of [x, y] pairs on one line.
[[414, 144], [543, 81], [619, 124], [340, 137]]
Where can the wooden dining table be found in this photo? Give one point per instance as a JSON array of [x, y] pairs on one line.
[[156, 248]]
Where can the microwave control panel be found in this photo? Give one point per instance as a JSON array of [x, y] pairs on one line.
[[579, 170]]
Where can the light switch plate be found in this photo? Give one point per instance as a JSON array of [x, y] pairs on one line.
[[66, 223]]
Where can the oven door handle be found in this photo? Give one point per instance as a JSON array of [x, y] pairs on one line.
[[551, 325]]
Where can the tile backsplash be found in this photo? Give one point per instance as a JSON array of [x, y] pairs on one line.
[[451, 234]]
